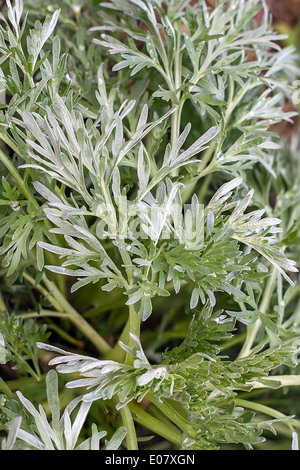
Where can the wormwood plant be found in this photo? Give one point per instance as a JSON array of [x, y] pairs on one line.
[[149, 227]]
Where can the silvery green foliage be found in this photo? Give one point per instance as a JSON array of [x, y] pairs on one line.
[[70, 219], [8, 442], [21, 336], [107, 378], [195, 363], [62, 432], [111, 182], [89, 157], [104, 379]]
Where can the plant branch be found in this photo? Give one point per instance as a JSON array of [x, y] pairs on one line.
[[21, 183], [165, 430], [173, 415], [59, 302], [252, 330], [127, 420]]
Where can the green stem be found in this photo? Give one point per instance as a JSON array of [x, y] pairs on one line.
[[23, 382], [134, 325], [134, 317], [173, 415], [65, 335], [42, 313], [176, 116], [117, 353], [252, 330], [285, 381], [78, 320], [22, 185], [127, 420], [2, 304], [4, 388], [20, 181], [8, 141], [61, 304], [268, 411], [175, 127], [166, 430], [44, 292], [36, 375], [163, 55]]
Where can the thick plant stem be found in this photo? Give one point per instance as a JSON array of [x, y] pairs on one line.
[[175, 128], [173, 415], [165, 430], [4, 388], [45, 293], [176, 117], [285, 381], [269, 412], [2, 304], [131, 439], [253, 329], [117, 353], [134, 329]]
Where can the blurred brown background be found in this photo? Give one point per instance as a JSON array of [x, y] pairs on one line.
[[285, 10], [286, 19]]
